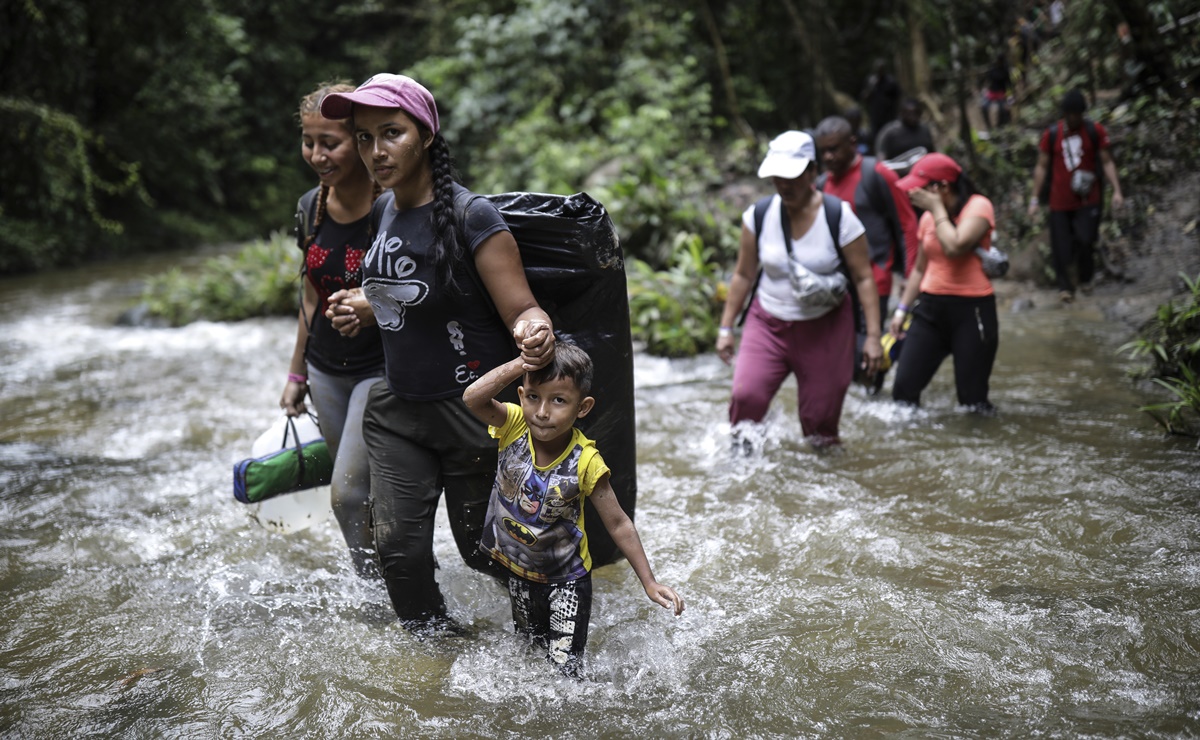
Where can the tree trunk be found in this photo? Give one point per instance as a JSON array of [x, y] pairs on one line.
[[1148, 44], [735, 111], [824, 87]]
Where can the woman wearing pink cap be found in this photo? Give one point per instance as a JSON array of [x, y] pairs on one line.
[[803, 256], [444, 283], [336, 371], [955, 313]]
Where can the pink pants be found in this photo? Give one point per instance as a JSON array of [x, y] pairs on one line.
[[821, 354]]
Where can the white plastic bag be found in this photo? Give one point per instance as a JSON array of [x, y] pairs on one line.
[[297, 511]]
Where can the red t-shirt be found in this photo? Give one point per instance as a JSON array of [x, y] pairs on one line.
[[845, 187], [1075, 150]]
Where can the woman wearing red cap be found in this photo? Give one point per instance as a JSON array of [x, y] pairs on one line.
[[336, 371], [955, 313], [444, 283]]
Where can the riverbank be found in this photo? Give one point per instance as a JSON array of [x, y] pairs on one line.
[[1144, 259]]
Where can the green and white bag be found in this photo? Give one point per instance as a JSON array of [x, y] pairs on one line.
[[295, 467]]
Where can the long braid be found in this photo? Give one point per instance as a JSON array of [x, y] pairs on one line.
[[447, 249], [322, 198]]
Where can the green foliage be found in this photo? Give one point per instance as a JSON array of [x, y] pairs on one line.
[[675, 312], [66, 190], [1171, 341], [259, 280]]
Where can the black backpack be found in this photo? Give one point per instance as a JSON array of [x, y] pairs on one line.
[[833, 217], [882, 201]]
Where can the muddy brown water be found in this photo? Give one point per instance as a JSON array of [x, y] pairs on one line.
[[1035, 573]]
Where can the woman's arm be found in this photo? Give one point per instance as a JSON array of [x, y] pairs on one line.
[[624, 534], [957, 240], [740, 285], [911, 290], [499, 263], [868, 297], [292, 400]]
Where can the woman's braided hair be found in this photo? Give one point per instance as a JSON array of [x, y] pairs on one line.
[[447, 248]]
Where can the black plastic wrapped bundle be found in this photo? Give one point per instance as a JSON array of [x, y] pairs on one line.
[[574, 265]]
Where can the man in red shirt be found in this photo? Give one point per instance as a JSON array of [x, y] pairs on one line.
[[870, 189], [1069, 152]]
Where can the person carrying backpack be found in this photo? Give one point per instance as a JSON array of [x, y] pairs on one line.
[[1070, 154], [449, 295], [870, 189], [801, 265]]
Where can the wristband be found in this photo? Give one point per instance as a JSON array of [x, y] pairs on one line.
[[1033, 201], [297, 378], [902, 308], [724, 331]]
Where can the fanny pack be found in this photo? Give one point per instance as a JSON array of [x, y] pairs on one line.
[[995, 261], [814, 290], [1082, 182]]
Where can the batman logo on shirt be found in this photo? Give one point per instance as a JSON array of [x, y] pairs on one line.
[[519, 532]]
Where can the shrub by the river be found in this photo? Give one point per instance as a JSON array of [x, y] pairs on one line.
[[262, 279], [1171, 340], [674, 311]]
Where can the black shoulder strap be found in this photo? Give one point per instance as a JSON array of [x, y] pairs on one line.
[[833, 217], [760, 215], [881, 198], [306, 210]]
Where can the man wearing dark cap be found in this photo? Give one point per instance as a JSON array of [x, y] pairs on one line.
[[1070, 153]]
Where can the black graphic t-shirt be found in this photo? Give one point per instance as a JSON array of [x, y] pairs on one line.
[[332, 263], [436, 339]]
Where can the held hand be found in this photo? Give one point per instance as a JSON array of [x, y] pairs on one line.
[[896, 327], [725, 347], [292, 401], [535, 339], [349, 311], [1118, 201], [1034, 207], [665, 597], [872, 352]]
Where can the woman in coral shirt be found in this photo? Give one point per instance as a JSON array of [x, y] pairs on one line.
[[955, 313]]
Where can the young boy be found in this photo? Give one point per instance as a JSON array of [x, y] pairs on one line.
[[534, 523]]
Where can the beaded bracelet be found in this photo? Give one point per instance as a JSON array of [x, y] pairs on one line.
[[297, 378]]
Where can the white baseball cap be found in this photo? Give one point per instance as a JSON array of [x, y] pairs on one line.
[[788, 156]]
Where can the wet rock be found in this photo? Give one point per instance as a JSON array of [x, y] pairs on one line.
[[1020, 305], [140, 316]]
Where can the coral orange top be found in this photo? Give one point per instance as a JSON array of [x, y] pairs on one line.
[[962, 276]]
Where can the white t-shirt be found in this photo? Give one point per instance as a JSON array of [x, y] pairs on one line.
[[814, 250]]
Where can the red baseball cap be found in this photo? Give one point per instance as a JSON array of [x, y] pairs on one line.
[[930, 168], [386, 91]]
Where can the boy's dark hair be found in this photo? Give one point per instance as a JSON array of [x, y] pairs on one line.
[[569, 362]]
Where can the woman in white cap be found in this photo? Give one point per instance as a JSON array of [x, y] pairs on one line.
[[336, 371], [444, 283], [799, 278]]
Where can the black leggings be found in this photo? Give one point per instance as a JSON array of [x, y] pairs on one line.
[[942, 325], [417, 451]]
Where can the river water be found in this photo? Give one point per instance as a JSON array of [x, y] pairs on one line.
[[1033, 574]]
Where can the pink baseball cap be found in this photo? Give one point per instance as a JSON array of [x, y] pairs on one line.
[[386, 91], [934, 167]]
